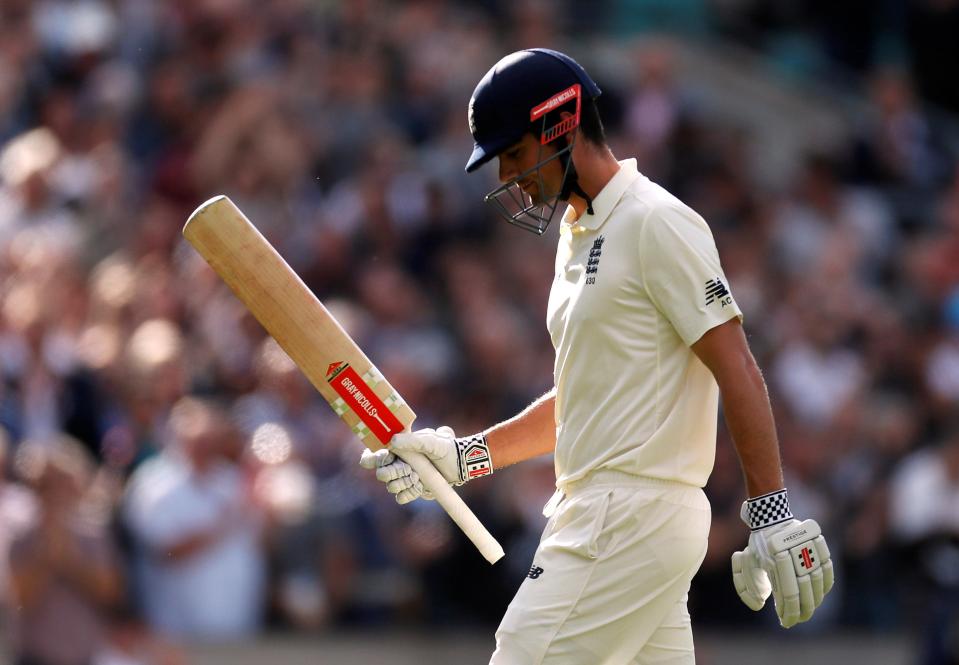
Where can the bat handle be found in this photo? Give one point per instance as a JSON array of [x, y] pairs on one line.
[[454, 506]]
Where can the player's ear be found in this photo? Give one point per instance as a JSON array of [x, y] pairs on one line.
[[565, 115]]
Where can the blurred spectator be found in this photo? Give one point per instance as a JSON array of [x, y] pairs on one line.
[[18, 512], [284, 398], [198, 557], [146, 376], [654, 111], [924, 513], [65, 570], [886, 428], [942, 371], [898, 147], [825, 216], [816, 372], [30, 198]]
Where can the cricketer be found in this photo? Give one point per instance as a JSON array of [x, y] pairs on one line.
[[647, 337]]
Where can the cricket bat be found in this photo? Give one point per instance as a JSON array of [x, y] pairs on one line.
[[319, 346]]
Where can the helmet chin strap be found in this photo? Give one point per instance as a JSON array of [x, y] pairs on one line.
[[571, 183]]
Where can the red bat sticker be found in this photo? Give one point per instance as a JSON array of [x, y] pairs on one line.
[[364, 402]]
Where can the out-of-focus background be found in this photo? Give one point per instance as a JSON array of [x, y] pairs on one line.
[[173, 491]]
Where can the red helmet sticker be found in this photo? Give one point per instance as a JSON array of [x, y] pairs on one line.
[[574, 92]]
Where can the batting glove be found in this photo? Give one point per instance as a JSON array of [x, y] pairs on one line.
[[751, 581], [785, 557], [457, 460]]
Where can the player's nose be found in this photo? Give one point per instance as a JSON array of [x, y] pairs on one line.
[[507, 170]]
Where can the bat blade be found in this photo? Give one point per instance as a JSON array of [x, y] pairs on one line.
[[320, 347], [298, 321]]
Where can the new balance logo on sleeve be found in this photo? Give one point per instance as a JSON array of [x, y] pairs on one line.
[[716, 290], [534, 572]]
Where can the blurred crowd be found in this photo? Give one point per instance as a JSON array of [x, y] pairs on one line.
[[167, 475]]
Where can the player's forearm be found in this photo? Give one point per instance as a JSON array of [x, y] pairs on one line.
[[750, 421], [726, 353], [529, 434]]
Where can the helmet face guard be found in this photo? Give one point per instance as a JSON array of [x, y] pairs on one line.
[[509, 199]]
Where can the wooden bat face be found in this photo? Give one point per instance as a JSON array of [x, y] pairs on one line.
[[313, 339], [298, 321]]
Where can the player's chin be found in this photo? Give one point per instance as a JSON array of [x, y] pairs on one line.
[[535, 197]]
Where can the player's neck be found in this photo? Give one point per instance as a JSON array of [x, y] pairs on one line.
[[595, 167]]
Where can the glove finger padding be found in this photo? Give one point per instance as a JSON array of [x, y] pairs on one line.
[[420, 441], [374, 460], [402, 483], [815, 579], [438, 445], [785, 580], [778, 600], [751, 581], [803, 570], [399, 477], [825, 562], [412, 494], [398, 469], [827, 577], [807, 598]]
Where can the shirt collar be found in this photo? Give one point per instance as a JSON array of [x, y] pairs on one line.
[[606, 200]]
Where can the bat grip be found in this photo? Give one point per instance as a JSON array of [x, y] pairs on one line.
[[453, 505]]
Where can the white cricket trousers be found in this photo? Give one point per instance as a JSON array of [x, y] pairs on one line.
[[609, 580]]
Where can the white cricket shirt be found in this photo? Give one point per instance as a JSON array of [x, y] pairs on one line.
[[636, 284]]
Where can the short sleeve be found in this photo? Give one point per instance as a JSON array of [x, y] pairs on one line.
[[680, 267]]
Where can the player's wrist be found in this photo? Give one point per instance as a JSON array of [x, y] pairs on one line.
[[473, 457], [766, 510]]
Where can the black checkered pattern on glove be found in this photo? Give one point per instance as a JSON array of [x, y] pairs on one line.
[[767, 510]]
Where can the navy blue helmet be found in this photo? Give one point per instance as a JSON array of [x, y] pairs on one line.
[[517, 96], [499, 111]]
